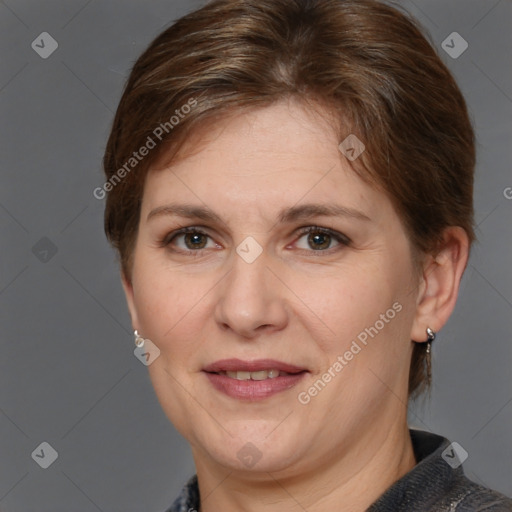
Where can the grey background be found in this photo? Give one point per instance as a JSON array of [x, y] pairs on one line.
[[67, 369]]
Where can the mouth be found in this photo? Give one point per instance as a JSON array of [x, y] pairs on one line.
[[258, 375], [253, 380]]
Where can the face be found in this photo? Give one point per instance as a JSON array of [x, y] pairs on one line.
[[280, 290]]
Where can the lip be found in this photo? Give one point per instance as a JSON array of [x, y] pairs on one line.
[[253, 390], [232, 365]]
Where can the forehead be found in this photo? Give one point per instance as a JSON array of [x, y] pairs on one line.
[[263, 159]]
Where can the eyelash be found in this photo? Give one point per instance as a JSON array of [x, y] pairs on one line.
[[340, 238]]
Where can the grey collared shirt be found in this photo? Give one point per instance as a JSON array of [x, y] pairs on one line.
[[436, 484]]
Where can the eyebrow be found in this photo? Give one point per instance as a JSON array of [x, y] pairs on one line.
[[288, 215]]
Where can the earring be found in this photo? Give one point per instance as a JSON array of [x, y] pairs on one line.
[[431, 336], [139, 341]]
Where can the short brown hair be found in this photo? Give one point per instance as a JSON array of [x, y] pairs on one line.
[[367, 61]]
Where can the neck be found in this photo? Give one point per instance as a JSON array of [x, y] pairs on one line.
[[381, 460]]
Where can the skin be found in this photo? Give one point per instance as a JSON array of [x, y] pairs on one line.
[[295, 303]]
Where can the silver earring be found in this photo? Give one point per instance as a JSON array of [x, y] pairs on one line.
[[139, 341], [431, 336]]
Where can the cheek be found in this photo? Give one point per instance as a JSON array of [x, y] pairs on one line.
[[344, 303], [168, 304], [368, 311]]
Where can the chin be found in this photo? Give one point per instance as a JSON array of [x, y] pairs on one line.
[[252, 449]]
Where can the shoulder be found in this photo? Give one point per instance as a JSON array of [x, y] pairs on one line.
[[188, 500], [468, 496], [438, 483], [455, 492]]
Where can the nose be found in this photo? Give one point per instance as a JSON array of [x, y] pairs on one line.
[[251, 300]]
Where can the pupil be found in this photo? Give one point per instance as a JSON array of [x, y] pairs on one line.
[[193, 241], [319, 240]]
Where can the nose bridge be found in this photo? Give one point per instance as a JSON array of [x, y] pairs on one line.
[[248, 278], [248, 301]]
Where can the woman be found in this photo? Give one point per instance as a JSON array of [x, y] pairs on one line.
[[290, 192]]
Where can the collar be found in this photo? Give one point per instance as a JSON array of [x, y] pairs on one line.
[[431, 478]]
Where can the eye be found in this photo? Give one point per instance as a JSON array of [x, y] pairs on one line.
[[188, 240], [192, 240], [321, 239]]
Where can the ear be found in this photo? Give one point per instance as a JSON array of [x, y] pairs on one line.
[[439, 285], [128, 291]]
